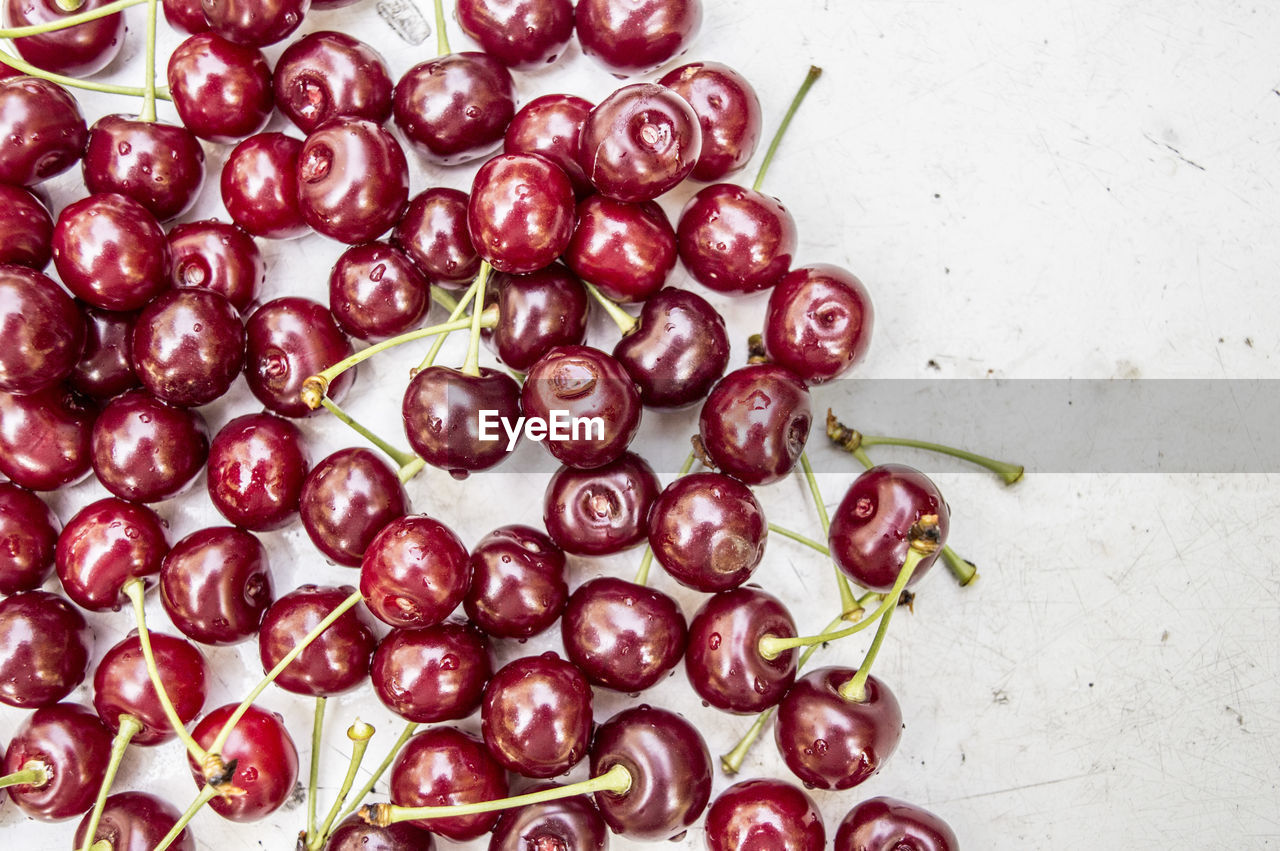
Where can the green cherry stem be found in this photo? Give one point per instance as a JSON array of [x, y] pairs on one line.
[[442, 37], [70, 20], [625, 321], [405, 735], [401, 458], [454, 314], [75, 82], [847, 600], [853, 441], [313, 777], [148, 113], [102, 845], [442, 297], [962, 569], [33, 773], [207, 794], [812, 77], [646, 561], [359, 733], [129, 727], [471, 366], [411, 469], [802, 539]]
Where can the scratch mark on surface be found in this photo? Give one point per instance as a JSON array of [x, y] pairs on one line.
[[1021, 787], [1175, 152]]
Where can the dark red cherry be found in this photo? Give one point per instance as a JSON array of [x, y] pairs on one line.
[[288, 340], [870, 529], [122, 686], [454, 420], [185, 16], [536, 716], [79, 51], [188, 346], [255, 22], [678, 349], [260, 186], [626, 250], [736, 240], [833, 743], [45, 437], [257, 464], [622, 635], [670, 771], [105, 369], [888, 824], [536, 313], [146, 450], [433, 232], [376, 292], [111, 252], [818, 322], [215, 585], [728, 111], [415, 572], [353, 180], [161, 166], [44, 649], [723, 659], [520, 214], [326, 74], [569, 824], [765, 815], [337, 661], [353, 834], [43, 129], [550, 127], [135, 821], [755, 423], [106, 544], [74, 746], [602, 510], [455, 108], [708, 531], [521, 34], [27, 226], [42, 329], [221, 90], [442, 766], [636, 36], [639, 142], [517, 582], [28, 534], [265, 758], [346, 500], [433, 673], [216, 256]]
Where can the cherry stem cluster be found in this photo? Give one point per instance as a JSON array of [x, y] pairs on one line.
[[454, 313], [471, 366], [847, 600], [409, 729], [359, 733]]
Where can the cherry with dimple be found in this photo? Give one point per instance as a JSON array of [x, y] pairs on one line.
[[889, 824], [71, 745], [326, 74], [639, 142], [765, 815], [216, 256], [601, 510], [215, 585], [708, 531], [288, 340], [755, 423], [415, 572]]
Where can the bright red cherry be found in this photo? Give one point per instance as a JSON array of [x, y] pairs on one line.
[[221, 90], [28, 534], [723, 659], [602, 510], [122, 686], [765, 815], [432, 674], [521, 34], [518, 587], [43, 129], [433, 232], [337, 661], [622, 635], [353, 180], [455, 108], [216, 256], [185, 16], [415, 572], [73, 746], [257, 464], [27, 226], [145, 449], [326, 74], [215, 585], [45, 437], [376, 292], [639, 142], [536, 313], [161, 166], [440, 766], [708, 531], [135, 821], [255, 22], [346, 500], [735, 240], [755, 423], [888, 824], [636, 36], [111, 252], [105, 545], [626, 250], [289, 339], [520, 213], [550, 127], [818, 322], [43, 330], [79, 51], [728, 111], [536, 716], [188, 346], [44, 649], [265, 759], [260, 186]]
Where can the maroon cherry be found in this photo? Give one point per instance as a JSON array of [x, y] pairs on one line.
[[353, 834], [135, 821], [636, 36], [520, 214], [28, 534], [517, 582], [591, 390], [265, 759], [290, 339], [353, 180], [442, 414], [550, 127], [569, 824], [43, 330], [602, 510], [188, 346], [639, 142], [346, 500], [708, 530], [111, 252], [536, 716], [521, 34], [78, 51], [161, 166], [432, 674], [185, 16], [257, 464], [337, 661], [259, 186], [221, 90], [27, 226], [736, 240], [215, 585], [818, 322], [327, 74], [45, 437], [73, 746], [765, 815], [44, 649], [376, 292], [255, 22], [755, 423], [442, 766], [433, 232], [105, 369], [888, 824], [622, 635], [677, 351], [723, 659], [728, 111], [415, 572], [43, 129], [455, 108], [216, 256], [146, 450], [536, 313], [626, 250], [106, 544], [122, 686]]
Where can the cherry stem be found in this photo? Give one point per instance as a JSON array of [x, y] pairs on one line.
[[812, 77], [75, 82], [442, 297], [207, 794], [33, 773], [411, 469], [617, 780], [359, 733], [646, 561], [148, 113], [313, 778], [70, 20], [442, 37], [471, 366], [102, 845], [467, 297], [409, 730], [625, 321], [796, 536], [853, 441], [129, 727], [962, 569], [400, 457], [847, 600]]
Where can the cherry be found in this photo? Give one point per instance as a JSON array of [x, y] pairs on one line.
[[723, 659], [111, 252], [146, 450], [346, 500], [185, 16], [888, 824], [353, 834], [455, 108], [215, 585], [77, 51], [433, 232], [550, 127], [442, 766], [135, 821], [602, 510], [376, 292], [105, 369], [256, 23], [728, 112], [639, 142], [626, 250], [27, 226], [520, 213], [161, 166], [122, 686], [636, 36], [327, 74], [521, 34], [73, 746], [622, 635], [221, 90], [415, 572], [764, 815], [337, 661], [677, 350], [216, 256], [583, 384], [45, 437], [265, 760], [735, 240], [44, 649], [28, 534], [870, 529], [353, 180], [288, 340], [569, 824], [44, 332], [106, 544], [536, 716], [257, 464], [259, 186], [517, 582], [818, 322], [708, 531], [432, 674], [536, 313], [43, 129], [188, 346], [755, 423], [441, 415]]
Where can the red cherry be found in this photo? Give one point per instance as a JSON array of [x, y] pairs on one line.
[[161, 166], [257, 464], [135, 821], [536, 313], [432, 674], [521, 34], [727, 109], [28, 534], [550, 127], [111, 252], [677, 350], [755, 423], [765, 815], [79, 51], [517, 582], [636, 36], [346, 500], [602, 510], [255, 22], [626, 250], [569, 824], [433, 232], [288, 340], [326, 74], [106, 544], [887, 824], [45, 437], [122, 686], [337, 661], [455, 108], [736, 240], [260, 186], [708, 531], [44, 649], [43, 129], [441, 417], [145, 449], [415, 572], [74, 746], [27, 226], [221, 90], [216, 256], [43, 330], [353, 834], [376, 292], [215, 585], [818, 322], [442, 766], [622, 635], [520, 213], [639, 142], [536, 716], [723, 659], [105, 369], [188, 346], [353, 180], [265, 758]]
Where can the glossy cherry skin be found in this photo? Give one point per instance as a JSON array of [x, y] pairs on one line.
[[353, 180], [764, 815], [520, 214], [441, 416], [455, 108], [75, 747], [105, 369], [265, 758], [728, 111], [46, 644], [677, 351], [517, 582], [185, 16], [708, 531], [622, 635], [636, 37], [257, 464], [111, 252], [603, 510], [259, 186], [415, 572], [870, 529], [326, 74], [888, 824], [639, 142], [45, 438], [569, 824], [121, 685], [188, 346], [106, 544], [255, 22], [221, 90], [43, 330], [146, 450], [833, 743], [78, 51], [521, 34], [288, 340], [736, 240], [442, 766], [27, 226], [432, 674], [670, 771], [755, 423], [626, 250], [536, 716], [49, 128], [723, 659], [337, 661], [433, 232], [818, 322], [584, 383], [216, 256], [346, 500], [376, 292], [550, 127], [536, 313], [352, 834], [28, 534], [135, 821], [215, 585], [161, 166]]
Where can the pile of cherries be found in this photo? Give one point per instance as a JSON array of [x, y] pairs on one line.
[[122, 322]]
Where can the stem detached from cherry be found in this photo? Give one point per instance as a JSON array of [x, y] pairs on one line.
[[812, 77], [852, 441]]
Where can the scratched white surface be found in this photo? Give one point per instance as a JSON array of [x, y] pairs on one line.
[[1070, 188]]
